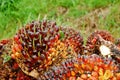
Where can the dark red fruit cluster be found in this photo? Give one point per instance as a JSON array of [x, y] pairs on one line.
[[74, 39], [39, 44], [9, 69], [32, 42], [83, 68], [93, 40]]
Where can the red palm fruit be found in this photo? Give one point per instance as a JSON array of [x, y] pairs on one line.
[[16, 39], [76, 68], [118, 76], [39, 45], [79, 78], [72, 78], [95, 74], [4, 41], [84, 76], [15, 66]]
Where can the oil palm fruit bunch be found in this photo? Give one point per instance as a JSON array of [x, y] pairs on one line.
[[102, 43], [9, 69], [40, 44], [83, 67], [93, 42], [4, 58], [73, 38]]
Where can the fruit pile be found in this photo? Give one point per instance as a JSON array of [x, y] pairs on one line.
[[41, 50]]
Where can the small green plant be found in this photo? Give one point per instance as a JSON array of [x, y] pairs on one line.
[[6, 58], [61, 34]]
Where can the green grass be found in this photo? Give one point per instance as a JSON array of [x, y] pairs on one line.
[[15, 13]]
